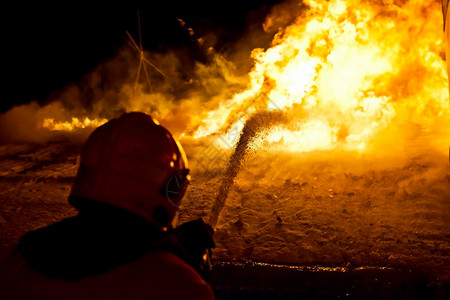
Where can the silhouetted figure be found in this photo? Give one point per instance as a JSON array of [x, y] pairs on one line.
[[122, 245]]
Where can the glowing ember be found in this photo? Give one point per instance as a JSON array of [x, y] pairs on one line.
[[76, 123]]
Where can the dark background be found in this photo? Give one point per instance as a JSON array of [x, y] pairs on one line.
[[47, 46]]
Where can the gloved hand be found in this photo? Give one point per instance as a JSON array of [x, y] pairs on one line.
[[196, 238]]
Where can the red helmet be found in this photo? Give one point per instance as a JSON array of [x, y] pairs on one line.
[[135, 164]]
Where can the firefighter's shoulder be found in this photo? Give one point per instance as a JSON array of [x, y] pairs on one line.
[[166, 276], [155, 275]]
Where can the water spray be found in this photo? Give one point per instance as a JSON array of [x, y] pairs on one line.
[[253, 126]]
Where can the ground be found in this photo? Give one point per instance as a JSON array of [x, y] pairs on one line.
[[317, 210]]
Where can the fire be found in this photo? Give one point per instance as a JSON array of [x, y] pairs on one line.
[[345, 72], [348, 74], [76, 123]]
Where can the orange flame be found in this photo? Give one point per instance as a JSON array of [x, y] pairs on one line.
[[349, 74], [345, 72], [76, 123]]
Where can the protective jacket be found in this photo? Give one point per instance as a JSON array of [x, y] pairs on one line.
[[103, 254]]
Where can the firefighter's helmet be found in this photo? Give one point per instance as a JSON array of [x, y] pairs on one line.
[[135, 164]]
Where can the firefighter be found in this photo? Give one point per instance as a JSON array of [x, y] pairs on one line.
[[123, 243]]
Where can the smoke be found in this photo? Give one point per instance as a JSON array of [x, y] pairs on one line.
[[391, 98], [198, 76], [283, 14], [20, 122], [178, 99]]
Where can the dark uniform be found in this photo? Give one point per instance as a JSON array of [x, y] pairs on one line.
[[116, 255], [122, 245]]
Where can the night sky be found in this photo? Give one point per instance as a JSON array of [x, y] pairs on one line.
[[47, 47]]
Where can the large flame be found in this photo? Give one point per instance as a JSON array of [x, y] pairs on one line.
[[349, 74], [345, 71]]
